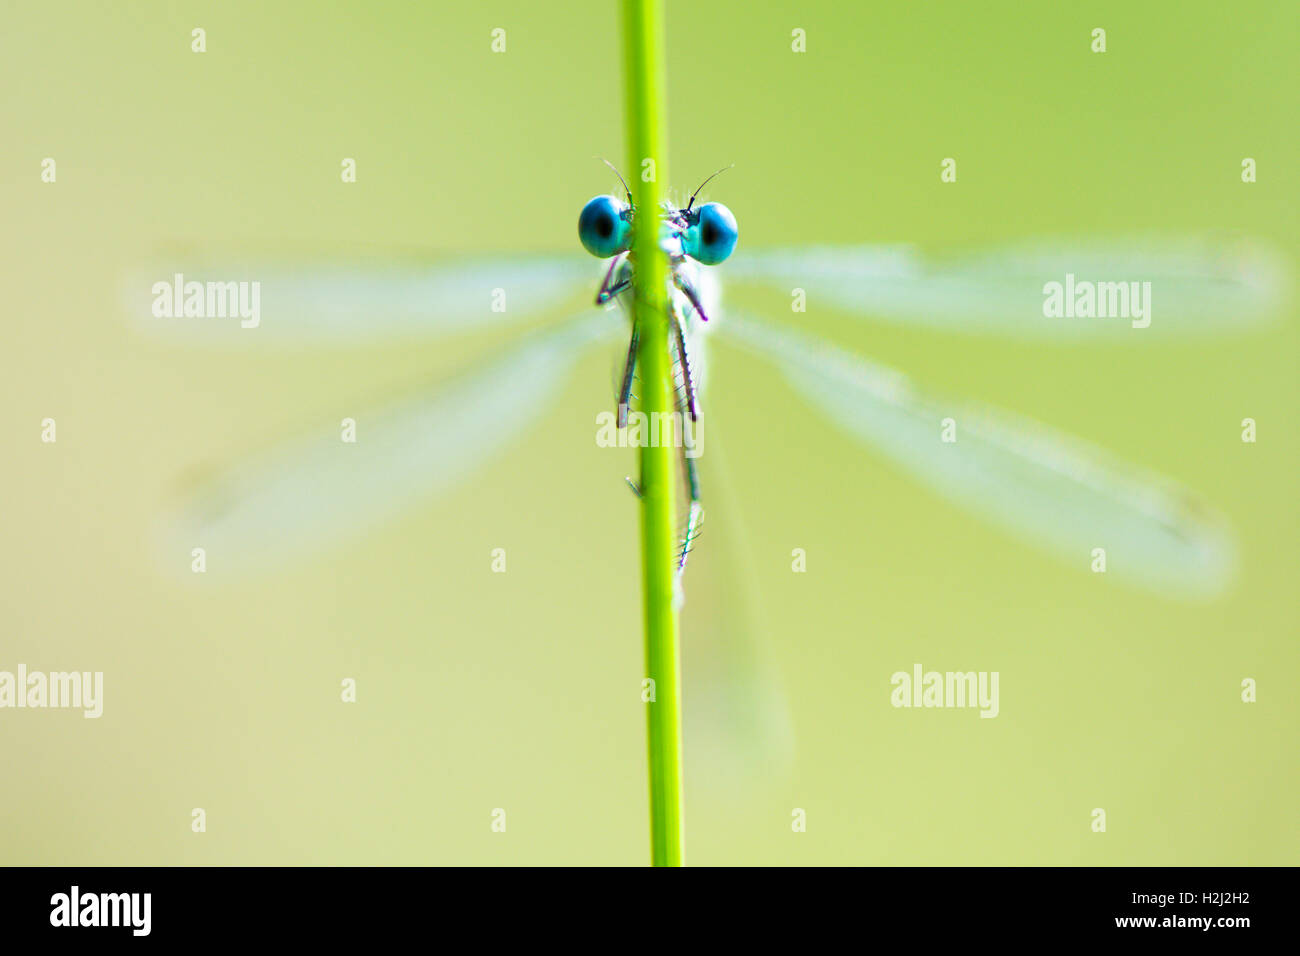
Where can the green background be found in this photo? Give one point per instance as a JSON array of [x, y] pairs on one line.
[[521, 690]]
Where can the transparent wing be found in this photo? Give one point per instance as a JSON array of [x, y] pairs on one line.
[[739, 734], [349, 303], [1197, 285], [1052, 489], [319, 490]]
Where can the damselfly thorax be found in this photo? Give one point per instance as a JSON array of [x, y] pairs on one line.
[[692, 297]]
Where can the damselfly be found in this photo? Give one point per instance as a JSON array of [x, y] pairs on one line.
[[688, 237], [1052, 490]]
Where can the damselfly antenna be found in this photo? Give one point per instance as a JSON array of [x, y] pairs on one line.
[[705, 183], [620, 178]]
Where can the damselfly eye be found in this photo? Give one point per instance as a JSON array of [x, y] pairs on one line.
[[711, 237], [603, 227]]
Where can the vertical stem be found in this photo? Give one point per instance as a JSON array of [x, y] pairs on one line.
[[643, 36]]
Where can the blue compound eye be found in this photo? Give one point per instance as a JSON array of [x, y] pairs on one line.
[[711, 235], [604, 227]]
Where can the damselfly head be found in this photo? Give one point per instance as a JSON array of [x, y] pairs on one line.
[[710, 234], [605, 226], [706, 233]]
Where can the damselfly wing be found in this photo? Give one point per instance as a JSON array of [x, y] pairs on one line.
[[1053, 491], [1007, 468]]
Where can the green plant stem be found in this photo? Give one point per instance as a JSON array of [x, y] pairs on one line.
[[643, 36]]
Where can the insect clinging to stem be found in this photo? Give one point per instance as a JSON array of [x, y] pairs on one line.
[[1046, 487], [688, 237]]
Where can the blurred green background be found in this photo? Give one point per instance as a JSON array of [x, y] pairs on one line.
[[521, 690]]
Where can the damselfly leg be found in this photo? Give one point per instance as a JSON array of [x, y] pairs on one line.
[[688, 412], [616, 280], [696, 513], [686, 378], [629, 372], [687, 407]]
